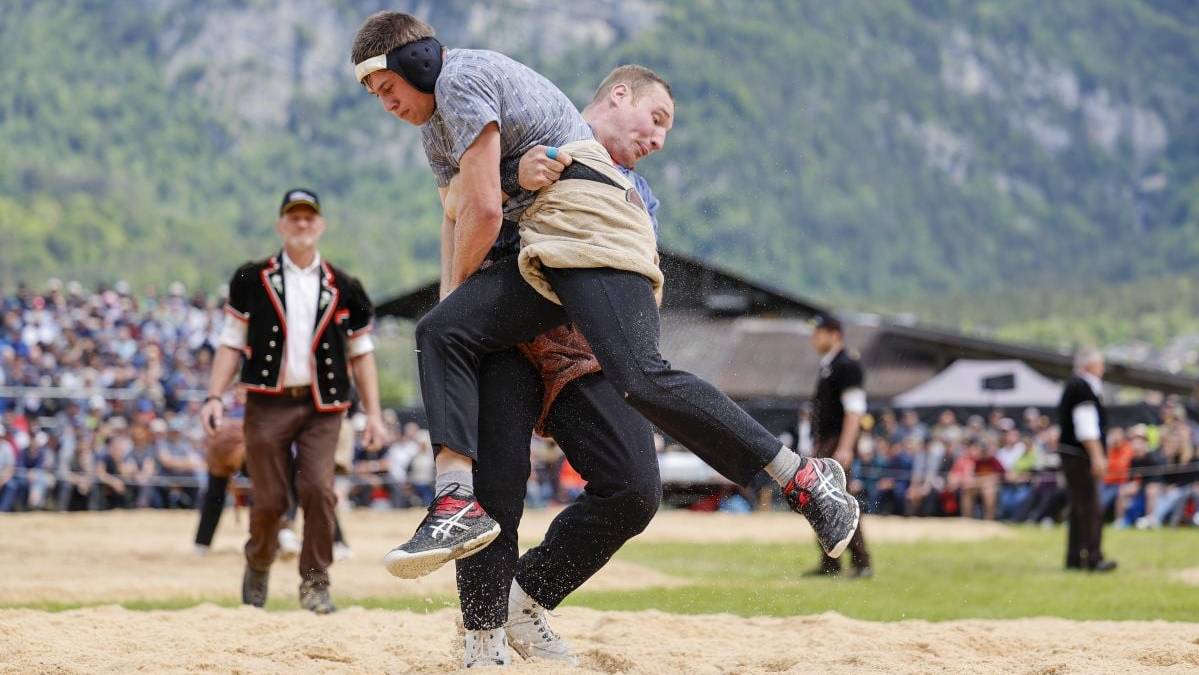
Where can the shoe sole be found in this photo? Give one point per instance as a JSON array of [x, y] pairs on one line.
[[525, 651], [407, 565], [840, 547]]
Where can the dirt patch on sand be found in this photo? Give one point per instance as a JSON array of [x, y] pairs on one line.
[[208, 638]]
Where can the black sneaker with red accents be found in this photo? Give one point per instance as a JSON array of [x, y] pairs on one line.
[[455, 527], [818, 492]]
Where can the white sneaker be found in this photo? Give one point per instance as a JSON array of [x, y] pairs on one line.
[[289, 544], [201, 550], [529, 630], [486, 649], [342, 551]]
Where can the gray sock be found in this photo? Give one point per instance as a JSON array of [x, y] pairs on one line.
[[464, 479], [784, 465]]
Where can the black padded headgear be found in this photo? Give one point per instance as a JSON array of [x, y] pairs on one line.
[[418, 62]]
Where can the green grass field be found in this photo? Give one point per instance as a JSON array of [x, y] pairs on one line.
[[1017, 576], [1020, 576]]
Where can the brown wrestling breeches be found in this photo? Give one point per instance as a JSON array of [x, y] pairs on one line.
[[273, 424]]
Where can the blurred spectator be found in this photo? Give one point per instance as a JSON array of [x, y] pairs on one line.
[[8, 467], [77, 474], [1133, 492], [1019, 460], [1048, 495], [570, 483], [912, 427], [891, 489], [422, 472], [141, 466], [1181, 483], [947, 429], [1119, 461], [178, 457], [888, 428], [371, 471], [546, 461], [400, 455], [977, 474], [867, 468], [930, 467], [34, 473]]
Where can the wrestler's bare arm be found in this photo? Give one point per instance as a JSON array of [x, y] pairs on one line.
[[480, 210]]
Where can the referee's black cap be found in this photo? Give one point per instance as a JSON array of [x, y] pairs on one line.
[[826, 321], [299, 197]]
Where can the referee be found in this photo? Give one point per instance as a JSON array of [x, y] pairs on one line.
[[1083, 419], [837, 409], [298, 330]]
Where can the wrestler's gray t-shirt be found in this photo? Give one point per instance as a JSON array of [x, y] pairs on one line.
[[477, 87]]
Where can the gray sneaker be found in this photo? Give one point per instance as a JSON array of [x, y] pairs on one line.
[[486, 649], [254, 586], [529, 631], [314, 597], [818, 492], [455, 527]]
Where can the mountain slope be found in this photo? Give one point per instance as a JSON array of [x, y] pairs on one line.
[[878, 149]]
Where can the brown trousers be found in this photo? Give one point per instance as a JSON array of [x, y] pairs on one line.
[[857, 545], [273, 424]]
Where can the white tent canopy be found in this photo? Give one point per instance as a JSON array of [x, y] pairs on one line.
[[968, 382]]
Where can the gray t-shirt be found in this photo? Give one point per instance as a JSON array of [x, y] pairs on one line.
[[477, 87]]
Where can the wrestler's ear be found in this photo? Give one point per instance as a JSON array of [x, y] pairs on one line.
[[620, 94]]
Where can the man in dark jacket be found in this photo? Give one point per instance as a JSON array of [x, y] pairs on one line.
[[298, 327]]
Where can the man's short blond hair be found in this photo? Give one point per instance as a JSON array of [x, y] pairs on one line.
[[384, 31], [636, 78]]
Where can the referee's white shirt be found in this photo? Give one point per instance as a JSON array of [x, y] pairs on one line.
[[301, 287], [1086, 415]]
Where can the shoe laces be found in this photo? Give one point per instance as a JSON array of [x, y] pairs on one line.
[[824, 488], [446, 491], [538, 616], [445, 518]]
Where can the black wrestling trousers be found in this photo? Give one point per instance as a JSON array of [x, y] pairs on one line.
[[615, 310], [606, 441]]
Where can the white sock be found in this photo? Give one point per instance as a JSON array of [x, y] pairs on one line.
[[464, 479], [784, 465]]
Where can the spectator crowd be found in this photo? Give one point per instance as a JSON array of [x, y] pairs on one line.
[[99, 395], [1000, 468]]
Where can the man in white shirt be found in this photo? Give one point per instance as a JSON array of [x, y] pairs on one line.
[[1082, 445], [297, 326]]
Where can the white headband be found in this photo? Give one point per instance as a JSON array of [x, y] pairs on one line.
[[371, 65]]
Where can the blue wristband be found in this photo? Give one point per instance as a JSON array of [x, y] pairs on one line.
[[551, 152]]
